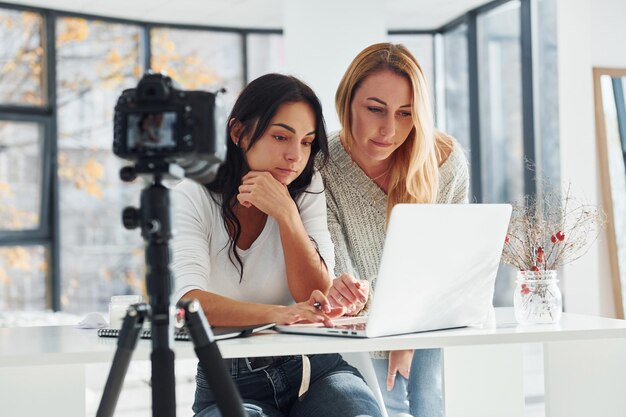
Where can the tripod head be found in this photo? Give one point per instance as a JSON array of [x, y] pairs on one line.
[[150, 216]]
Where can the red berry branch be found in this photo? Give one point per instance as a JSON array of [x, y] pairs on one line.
[[547, 234]]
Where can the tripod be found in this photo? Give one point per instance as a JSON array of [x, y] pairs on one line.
[[154, 218]]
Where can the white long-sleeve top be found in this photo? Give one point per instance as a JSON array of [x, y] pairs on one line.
[[201, 247]]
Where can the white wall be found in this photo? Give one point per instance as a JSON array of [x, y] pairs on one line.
[[608, 18], [590, 34], [323, 36], [576, 123]]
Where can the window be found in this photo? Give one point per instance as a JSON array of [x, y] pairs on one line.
[[456, 87], [266, 54], [421, 46], [200, 60], [21, 149], [96, 60], [23, 269], [547, 110], [21, 58], [23, 144], [499, 69], [23, 276]]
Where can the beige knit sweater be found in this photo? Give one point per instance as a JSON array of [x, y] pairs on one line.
[[357, 208]]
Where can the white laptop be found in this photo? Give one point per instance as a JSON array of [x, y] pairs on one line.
[[437, 271]]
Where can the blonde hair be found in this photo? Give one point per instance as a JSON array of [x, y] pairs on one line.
[[414, 175]]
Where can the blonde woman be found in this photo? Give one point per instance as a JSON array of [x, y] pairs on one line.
[[387, 152]]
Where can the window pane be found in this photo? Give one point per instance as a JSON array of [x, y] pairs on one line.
[[20, 175], [500, 96], [99, 258], [421, 46], [23, 277], [547, 102], [266, 53], [457, 85], [200, 60], [21, 58]]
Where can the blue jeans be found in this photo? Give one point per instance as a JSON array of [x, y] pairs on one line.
[[336, 389], [422, 394]]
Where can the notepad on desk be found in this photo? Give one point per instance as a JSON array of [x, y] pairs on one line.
[[219, 333]]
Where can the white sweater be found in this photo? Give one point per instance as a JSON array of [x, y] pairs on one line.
[[201, 247]]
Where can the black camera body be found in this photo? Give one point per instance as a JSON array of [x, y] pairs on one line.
[[157, 123]]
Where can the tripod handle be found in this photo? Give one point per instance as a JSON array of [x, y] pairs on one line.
[[217, 375]]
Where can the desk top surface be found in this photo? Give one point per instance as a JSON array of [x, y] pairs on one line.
[[33, 346]]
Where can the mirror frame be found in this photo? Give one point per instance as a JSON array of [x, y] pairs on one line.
[[605, 181]]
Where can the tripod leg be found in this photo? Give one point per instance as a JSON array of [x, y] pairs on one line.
[[205, 346], [133, 322], [163, 374]]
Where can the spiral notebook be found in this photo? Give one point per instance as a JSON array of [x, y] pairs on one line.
[[219, 333]]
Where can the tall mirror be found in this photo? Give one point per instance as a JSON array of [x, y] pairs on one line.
[[610, 110]]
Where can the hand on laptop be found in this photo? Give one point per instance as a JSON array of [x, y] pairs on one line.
[[350, 293], [317, 309]]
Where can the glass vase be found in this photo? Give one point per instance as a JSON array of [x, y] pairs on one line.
[[537, 297]]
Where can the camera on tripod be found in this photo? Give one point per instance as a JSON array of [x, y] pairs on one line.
[[157, 124], [166, 132]]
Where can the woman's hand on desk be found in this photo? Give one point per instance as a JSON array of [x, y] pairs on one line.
[[350, 293], [316, 309]]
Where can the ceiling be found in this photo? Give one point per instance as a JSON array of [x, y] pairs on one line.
[[401, 14]]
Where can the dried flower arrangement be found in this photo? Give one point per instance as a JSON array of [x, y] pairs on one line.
[[549, 233]]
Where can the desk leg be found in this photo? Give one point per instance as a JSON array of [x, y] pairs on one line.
[[585, 378], [51, 391], [483, 381]]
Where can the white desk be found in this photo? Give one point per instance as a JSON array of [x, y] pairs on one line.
[[42, 369]]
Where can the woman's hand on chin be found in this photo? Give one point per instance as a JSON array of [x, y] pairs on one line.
[[266, 193]]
